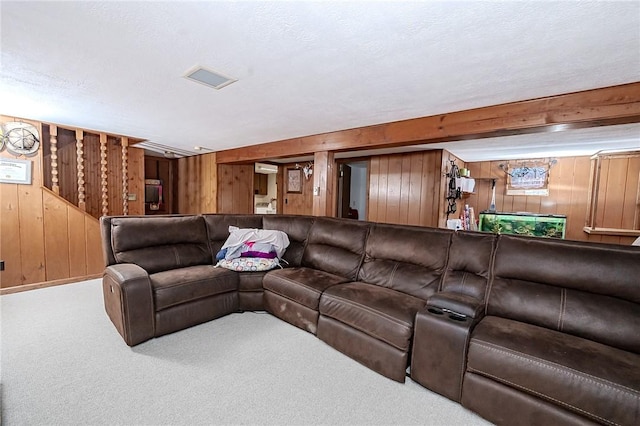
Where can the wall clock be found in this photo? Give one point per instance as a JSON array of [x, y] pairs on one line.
[[20, 138]]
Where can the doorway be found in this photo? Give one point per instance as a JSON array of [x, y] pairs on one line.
[[352, 189], [265, 189]]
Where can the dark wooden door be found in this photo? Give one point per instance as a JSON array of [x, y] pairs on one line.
[[344, 190]]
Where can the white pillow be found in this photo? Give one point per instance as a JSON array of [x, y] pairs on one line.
[[249, 264]]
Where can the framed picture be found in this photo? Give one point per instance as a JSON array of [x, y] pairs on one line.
[[294, 181], [528, 177], [15, 171]]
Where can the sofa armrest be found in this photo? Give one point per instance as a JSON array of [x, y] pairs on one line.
[[128, 300], [456, 304], [441, 339]]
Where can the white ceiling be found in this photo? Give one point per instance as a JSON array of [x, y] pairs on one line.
[[310, 67]]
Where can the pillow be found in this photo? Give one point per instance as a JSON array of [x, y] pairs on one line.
[[249, 264]]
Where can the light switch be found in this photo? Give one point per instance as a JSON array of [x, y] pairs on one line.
[[316, 190]]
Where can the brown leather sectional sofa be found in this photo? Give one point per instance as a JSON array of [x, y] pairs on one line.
[[520, 330]]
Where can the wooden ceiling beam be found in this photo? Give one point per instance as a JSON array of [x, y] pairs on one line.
[[590, 108]]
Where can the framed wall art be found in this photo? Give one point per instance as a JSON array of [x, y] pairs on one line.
[[294, 181], [15, 171], [528, 177]]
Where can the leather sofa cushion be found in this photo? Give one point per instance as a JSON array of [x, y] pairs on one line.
[[586, 377], [160, 243], [336, 246], [379, 312], [470, 256], [250, 281], [297, 229], [570, 286], [610, 270], [302, 285], [182, 285], [405, 258]]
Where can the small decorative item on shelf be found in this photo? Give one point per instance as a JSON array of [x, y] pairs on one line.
[[468, 219], [454, 192]]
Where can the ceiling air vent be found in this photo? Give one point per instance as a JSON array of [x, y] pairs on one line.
[[208, 77]]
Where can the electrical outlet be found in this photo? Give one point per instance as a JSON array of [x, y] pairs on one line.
[[316, 190], [132, 197]]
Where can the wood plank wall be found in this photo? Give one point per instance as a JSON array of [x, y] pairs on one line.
[[618, 203], [568, 195], [235, 188], [67, 171], [294, 203], [198, 184], [408, 188], [45, 238]]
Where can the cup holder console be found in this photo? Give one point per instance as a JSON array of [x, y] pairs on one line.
[[451, 314]]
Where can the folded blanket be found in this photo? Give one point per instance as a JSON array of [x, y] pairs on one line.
[[239, 239]]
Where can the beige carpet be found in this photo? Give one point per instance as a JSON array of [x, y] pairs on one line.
[[64, 363]]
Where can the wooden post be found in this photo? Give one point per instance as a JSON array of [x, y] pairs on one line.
[[323, 184], [80, 169], [125, 176], [53, 131], [103, 175]]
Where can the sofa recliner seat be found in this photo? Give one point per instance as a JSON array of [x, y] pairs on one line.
[[183, 285], [560, 328], [293, 294], [382, 313], [332, 255], [401, 269], [559, 367]]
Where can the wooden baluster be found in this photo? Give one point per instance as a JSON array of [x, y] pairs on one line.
[[125, 176], [103, 170], [53, 131], [80, 169]]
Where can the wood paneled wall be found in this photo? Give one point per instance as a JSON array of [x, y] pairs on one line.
[[617, 198], [408, 188], [43, 237], [568, 195], [198, 184], [235, 188], [67, 171], [294, 203], [207, 187]]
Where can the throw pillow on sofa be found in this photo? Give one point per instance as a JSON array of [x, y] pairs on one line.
[[249, 264]]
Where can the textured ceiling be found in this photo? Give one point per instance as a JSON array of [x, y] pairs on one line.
[[302, 67]]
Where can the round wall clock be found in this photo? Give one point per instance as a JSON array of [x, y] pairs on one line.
[[21, 138]]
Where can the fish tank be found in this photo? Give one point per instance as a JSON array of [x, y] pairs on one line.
[[522, 223]]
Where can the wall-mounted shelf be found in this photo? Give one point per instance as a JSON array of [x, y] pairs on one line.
[[612, 231]]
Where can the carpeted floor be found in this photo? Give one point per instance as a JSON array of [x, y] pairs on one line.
[[64, 363]]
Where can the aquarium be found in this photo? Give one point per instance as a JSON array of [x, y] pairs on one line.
[[534, 225]]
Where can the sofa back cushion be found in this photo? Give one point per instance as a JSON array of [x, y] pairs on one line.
[[160, 243], [296, 228], [218, 227], [469, 264], [586, 289], [405, 258], [336, 246]]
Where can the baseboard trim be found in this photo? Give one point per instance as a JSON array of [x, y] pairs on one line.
[[44, 284]]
